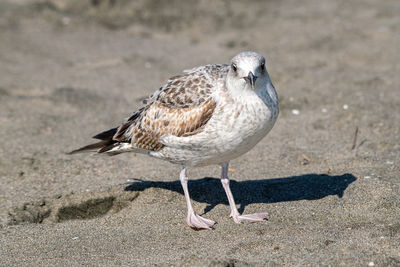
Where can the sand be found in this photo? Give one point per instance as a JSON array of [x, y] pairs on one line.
[[70, 69]]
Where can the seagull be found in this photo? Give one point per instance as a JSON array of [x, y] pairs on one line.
[[208, 115]]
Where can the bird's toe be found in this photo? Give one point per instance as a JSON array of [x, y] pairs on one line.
[[251, 218], [197, 222]]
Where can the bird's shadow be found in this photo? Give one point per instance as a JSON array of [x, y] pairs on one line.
[[209, 190]]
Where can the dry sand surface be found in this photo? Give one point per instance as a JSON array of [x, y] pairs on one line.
[[70, 69]]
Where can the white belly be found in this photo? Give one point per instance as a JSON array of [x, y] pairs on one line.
[[240, 132], [233, 130]]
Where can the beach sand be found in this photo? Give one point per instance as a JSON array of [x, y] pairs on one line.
[[328, 173]]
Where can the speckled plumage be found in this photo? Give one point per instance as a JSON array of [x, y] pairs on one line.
[[207, 115]]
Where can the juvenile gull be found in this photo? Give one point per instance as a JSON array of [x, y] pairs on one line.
[[207, 115]]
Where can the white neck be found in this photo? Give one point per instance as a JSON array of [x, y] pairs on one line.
[[239, 89]]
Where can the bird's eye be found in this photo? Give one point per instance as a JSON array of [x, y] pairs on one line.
[[234, 67], [262, 67]]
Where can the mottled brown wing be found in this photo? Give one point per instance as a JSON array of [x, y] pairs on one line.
[[181, 107], [157, 120]]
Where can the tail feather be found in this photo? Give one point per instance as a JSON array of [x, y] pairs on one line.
[[108, 147], [105, 145]]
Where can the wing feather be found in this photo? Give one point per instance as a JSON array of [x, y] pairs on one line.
[[181, 107], [157, 120]]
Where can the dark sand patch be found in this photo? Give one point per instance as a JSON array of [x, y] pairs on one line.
[[72, 207]]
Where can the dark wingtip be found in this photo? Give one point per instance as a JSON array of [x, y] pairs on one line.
[[79, 150], [91, 147], [76, 151], [106, 135], [105, 144]]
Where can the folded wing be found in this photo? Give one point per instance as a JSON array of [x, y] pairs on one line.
[[182, 107]]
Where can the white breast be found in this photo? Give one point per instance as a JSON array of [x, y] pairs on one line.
[[236, 126], [240, 126]]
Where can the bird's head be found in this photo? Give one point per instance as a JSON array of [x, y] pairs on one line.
[[248, 71]]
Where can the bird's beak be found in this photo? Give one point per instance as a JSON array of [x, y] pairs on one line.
[[251, 79]]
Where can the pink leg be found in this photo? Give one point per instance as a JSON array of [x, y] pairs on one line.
[[256, 217], [193, 220]]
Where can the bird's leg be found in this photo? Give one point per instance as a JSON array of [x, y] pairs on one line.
[[193, 220], [256, 217]]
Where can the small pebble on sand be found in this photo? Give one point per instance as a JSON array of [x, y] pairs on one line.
[[295, 112]]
